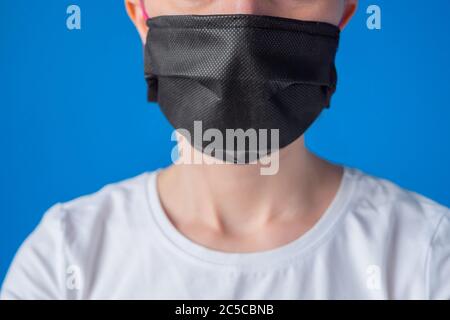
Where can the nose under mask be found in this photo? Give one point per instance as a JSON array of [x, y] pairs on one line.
[[241, 72]]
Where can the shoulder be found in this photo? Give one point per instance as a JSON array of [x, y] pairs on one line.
[[115, 203], [413, 228], [71, 231], [407, 230], [385, 199]]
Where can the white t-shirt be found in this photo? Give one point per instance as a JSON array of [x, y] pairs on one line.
[[375, 241]]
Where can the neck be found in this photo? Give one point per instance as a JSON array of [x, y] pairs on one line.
[[228, 196]]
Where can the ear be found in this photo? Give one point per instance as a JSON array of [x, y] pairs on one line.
[[137, 16], [349, 11]]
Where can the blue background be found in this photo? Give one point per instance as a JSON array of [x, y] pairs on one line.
[[74, 116]]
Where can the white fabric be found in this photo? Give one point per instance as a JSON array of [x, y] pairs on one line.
[[375, 241]]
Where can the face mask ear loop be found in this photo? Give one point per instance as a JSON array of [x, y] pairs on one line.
[[144, 11]]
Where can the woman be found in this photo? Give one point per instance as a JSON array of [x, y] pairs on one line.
[[215, 230]]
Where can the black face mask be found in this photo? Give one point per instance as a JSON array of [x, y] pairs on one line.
[[241, 72]]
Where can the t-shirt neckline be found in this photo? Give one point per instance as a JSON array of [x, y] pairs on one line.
[[298, 247]]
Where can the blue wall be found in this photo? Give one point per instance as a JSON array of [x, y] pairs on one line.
[[73, 114]]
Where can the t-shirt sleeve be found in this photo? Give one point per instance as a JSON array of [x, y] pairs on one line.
[[37, 270], [439, 261]]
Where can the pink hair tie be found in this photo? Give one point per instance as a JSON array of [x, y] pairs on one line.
[[144, 11]]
